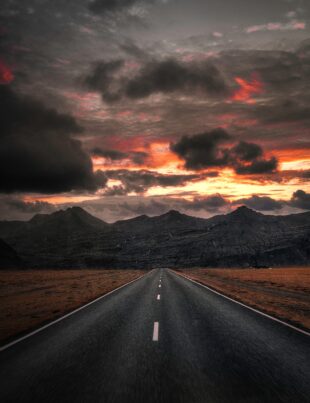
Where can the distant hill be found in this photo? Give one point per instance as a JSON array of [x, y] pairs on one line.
[[60, 223], [8, 257], [74, 238]]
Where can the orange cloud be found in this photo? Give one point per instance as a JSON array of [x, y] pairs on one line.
[[247, 89], [158, 152], [6, 75], [160, 156]]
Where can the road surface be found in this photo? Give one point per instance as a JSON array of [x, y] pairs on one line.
[[162, 338]]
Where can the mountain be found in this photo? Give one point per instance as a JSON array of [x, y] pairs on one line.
[[60, 223], [171, 220], [50, 239], [8, 257], [72, 219], [74, 238]]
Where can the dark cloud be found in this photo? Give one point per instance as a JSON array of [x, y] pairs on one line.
[[261, 203], [104, 6], [259, 166], [24, 113], [100, 179], [247, 151], [279, 70], [131, 49], [210, 203], [37, 152], [141, 181], [288, 111], [205, 150], [164, 77], [170, 76], [113, 155], [282, 70], [300, 199], [247, 158], [102, 79], [137, 157]]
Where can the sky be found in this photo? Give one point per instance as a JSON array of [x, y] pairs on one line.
[[128, 107]]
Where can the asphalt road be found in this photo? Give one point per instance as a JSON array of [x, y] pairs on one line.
[[190, 345]]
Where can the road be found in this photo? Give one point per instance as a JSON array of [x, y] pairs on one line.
[[188, 345]]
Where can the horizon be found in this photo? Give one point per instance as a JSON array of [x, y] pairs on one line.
[[64, 209]]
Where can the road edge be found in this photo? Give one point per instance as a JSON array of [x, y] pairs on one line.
[[53, 322], [244, 305]]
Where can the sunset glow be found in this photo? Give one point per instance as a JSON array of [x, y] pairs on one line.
[[248, 88], [153, 106], [6, 75]]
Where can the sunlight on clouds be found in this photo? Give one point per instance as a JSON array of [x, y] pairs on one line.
[[297, 164], [60, 199]]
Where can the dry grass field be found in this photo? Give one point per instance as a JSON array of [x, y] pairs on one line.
[[31, 298], [283, 293]]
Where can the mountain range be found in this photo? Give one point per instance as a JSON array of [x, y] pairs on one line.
[[73, 238]]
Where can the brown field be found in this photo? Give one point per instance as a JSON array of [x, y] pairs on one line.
[[31, 298], [283, 293]]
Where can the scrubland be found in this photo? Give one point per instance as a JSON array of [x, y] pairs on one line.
[[31, 298], [282, 292]]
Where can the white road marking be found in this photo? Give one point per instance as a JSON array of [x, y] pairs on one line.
[[245, 306], [155, 331], [159, 285], [68, 314], [158, 297]]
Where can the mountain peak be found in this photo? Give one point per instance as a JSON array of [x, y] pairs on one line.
[[72, 218], [244, 211], [173, 217], [173, 213], [72, 210]]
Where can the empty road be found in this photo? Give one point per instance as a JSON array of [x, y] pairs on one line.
[[162, 338]]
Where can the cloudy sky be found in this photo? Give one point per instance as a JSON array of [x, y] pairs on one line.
[[130, 107]]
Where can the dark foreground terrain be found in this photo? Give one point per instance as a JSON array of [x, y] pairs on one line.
[[188, 345], [74, 238]]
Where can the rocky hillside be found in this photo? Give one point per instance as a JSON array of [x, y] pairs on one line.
[[8, 257], [74, 238]]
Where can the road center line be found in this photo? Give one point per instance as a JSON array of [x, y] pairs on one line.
[[159, 285], [155, 331], [158, 297]]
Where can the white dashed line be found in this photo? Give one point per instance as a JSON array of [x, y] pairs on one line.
[[159, 285], [155, 331], [158, 297]]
